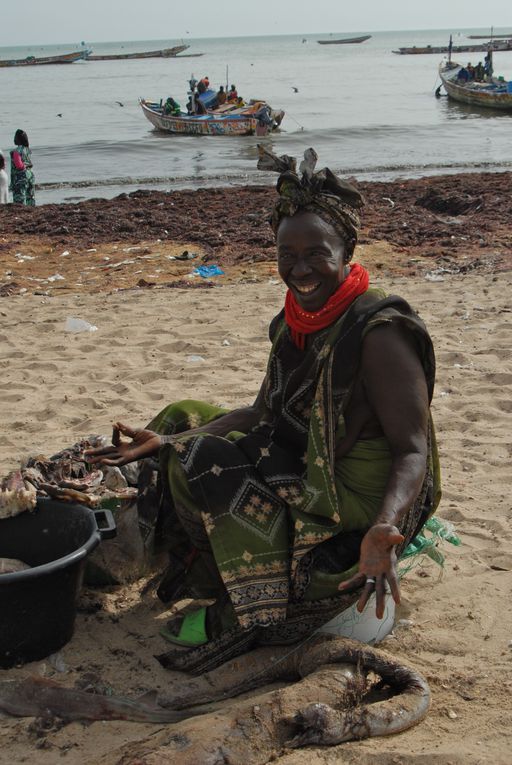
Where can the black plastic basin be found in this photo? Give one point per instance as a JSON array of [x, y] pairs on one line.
[[38, 606]]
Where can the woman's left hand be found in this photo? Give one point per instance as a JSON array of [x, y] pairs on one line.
[[377, 566]]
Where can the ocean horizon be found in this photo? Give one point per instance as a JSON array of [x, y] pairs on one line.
[[369, 113]]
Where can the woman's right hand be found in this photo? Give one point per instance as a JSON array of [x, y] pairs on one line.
[[144, 443]]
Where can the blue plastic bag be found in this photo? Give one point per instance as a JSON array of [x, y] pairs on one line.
[[207, 271]]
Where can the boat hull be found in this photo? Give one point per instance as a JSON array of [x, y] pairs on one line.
[[65, 58], [199, 125], [163, 53], [345, 41], [475, 94], [496, 47]]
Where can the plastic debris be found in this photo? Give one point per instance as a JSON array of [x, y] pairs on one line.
[[194, 358], [405, 624], [78, 325], [207, 271], [64, 254], [431, 277], [56, 661], [126, 262], [186, 255], [437, 530], [55, 278], [226, 342]]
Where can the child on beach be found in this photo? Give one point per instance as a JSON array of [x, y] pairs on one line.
[[4, 183]]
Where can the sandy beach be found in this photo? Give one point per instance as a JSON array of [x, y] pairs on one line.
[[163, 335]]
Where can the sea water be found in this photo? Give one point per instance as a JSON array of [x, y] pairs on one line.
[[368, 112]]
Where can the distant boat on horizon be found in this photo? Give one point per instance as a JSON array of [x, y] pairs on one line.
[[496, 46], [162, 53], [345, 40], [63, 58], [486, 37]]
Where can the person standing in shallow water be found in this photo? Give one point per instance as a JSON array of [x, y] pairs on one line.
[[286, 512], [22, 175]]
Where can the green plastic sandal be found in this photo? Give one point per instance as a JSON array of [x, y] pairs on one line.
[[192, 630]]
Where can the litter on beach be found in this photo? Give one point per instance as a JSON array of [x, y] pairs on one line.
[[207, 271], [78, 325]]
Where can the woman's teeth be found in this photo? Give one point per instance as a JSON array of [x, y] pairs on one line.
[[306, 289]]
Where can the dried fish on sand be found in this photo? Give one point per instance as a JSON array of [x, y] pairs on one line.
[[325, 707], [16, 495], [40, 697], [65, 476]]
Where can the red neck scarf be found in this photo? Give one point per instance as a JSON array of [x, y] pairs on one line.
[[302, 323]]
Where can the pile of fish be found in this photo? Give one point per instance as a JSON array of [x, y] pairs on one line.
[[65, 476]]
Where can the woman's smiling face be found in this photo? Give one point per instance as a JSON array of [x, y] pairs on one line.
[[311, 258]]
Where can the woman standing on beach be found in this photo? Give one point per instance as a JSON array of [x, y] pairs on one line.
[[22, 176]]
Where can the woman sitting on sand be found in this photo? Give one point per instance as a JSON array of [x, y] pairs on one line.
[[22, 177], [286, 512]]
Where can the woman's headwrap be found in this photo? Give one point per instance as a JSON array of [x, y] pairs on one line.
[[334, 200]]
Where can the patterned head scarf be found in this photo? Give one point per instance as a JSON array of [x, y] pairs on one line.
[[333, 200]]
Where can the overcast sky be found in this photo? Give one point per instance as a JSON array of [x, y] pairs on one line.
[[54, 21]]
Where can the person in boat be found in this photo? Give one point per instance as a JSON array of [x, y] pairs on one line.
[[471, 72], [463, 75], [232, 94], [203, 85], [488, 70], [284, 513], [22, 174], [172, 107], [199, 107], [221, 96], [479, 72]]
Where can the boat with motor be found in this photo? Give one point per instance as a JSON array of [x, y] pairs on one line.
[[206, 117]]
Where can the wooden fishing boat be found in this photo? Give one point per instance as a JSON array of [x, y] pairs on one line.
[[64, 58], [223, 121], [344, 40], [163, 53], [495, 45], [495, 94], [486, 37]]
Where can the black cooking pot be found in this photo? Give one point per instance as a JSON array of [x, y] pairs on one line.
[[38, 606]]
